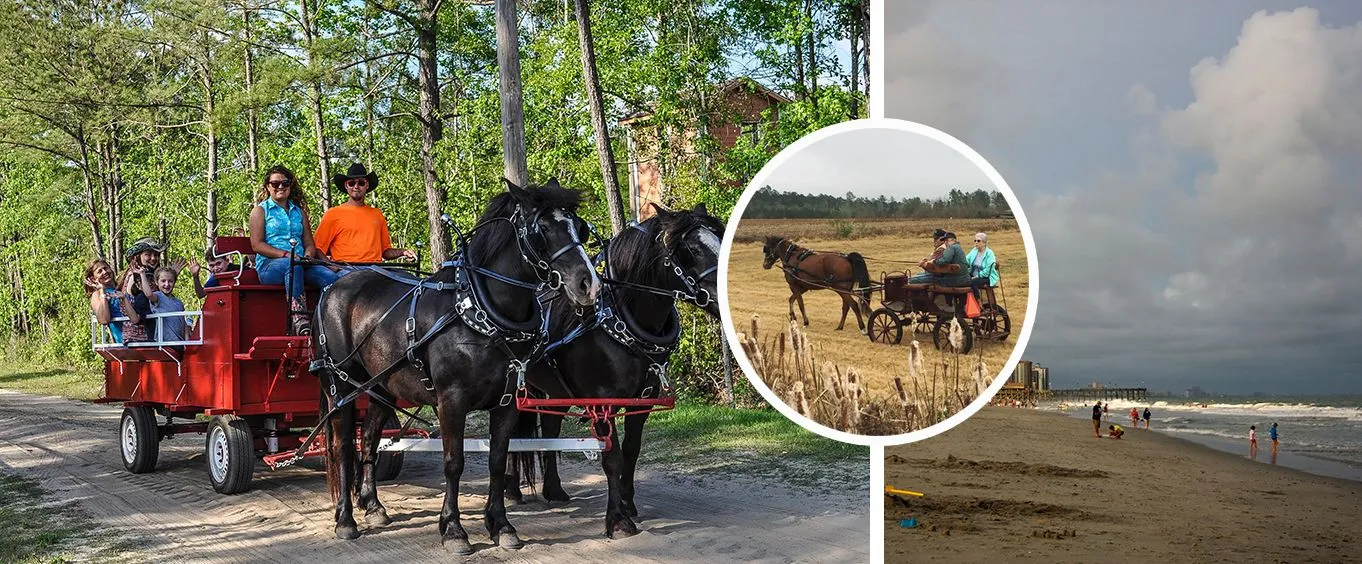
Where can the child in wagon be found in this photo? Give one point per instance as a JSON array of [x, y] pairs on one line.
[[162, 298], [107, 301], [217, 264]]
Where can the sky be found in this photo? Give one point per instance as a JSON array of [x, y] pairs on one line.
[[878, 162], [1189, 170]]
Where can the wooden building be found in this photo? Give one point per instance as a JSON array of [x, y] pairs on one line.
[[739, 106]]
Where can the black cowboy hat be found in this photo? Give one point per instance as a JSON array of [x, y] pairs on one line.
[[144, 244], [938, 234], [356, 171]]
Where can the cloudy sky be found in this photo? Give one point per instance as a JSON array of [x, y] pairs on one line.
[[1190, 172], [878, 162]]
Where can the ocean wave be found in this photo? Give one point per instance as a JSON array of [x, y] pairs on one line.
[[1270, 409]]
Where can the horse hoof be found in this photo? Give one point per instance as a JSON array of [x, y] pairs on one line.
[[559, 495], [459, 546], [378, 517], [510, 541], [347, 532]]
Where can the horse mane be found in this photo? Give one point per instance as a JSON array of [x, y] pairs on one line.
[[490, 240]]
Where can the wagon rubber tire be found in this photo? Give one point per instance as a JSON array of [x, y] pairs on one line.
[[941, 332], [389, 464], [884, 327], [230, 451], [139, 439]]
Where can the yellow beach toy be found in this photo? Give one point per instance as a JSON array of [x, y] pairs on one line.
[[894, 490]]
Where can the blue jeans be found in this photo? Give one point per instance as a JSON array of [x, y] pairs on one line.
[[276, 271]]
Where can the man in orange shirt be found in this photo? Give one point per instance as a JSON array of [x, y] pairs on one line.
[[355, 231]]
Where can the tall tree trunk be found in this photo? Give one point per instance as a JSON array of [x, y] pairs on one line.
[[865, 40], [319, 130], [800, 90], [512, 102], [369, 94], [593, 96], [813, 54], [854, 34], [91, 199], [431, 127], [252, 150], [211, 209], [315, 100]]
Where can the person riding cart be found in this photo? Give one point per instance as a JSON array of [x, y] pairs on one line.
[[947, 266], [355, 231]]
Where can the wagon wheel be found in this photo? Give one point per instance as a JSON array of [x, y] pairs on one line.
[[884, 327], [993, 323], [941, 334], [389, 464], [139, 438], [230, 452]]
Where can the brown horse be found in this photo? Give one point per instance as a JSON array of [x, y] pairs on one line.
[[807, 270]]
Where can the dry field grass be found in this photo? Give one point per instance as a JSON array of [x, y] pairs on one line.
[[755, 291]]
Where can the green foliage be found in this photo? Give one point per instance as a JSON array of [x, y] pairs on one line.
[[769, 203], [107, 111]]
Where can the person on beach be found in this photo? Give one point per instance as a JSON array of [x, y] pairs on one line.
[[1116, 431], [1253, 440], [1134, 417], [1272, 434], [1146, 417], [1097, 419], [355, 231]]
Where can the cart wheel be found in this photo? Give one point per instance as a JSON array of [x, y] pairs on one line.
[[231, 454], [140, 439], [993, 323], [884, 327], [941, 334], [389, 464]]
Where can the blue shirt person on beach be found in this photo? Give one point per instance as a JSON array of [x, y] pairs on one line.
[[1272, 433]]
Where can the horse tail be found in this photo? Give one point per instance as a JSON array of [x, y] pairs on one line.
[[860, 275], [526, 427]]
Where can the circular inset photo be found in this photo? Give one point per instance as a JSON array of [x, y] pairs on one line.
[[880, 279]]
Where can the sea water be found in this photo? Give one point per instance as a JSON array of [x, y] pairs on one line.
[[1317, 434]]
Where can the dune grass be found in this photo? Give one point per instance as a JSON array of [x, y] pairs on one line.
[[35, 527]]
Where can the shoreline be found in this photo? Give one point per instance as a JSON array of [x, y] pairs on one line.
[[1313, 465], [1035, 485]]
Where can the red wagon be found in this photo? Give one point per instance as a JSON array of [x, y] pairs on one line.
[[239, 378]]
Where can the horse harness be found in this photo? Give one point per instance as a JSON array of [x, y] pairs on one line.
[[790, 264], [470, 307]]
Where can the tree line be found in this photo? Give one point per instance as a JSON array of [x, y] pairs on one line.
[[768, 203], [131, 118]]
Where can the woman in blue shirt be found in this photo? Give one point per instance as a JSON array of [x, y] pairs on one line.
[[983, 265], [281, 217]]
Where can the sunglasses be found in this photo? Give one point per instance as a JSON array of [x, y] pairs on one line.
[[978, 240], [279, 184], [356, 182]]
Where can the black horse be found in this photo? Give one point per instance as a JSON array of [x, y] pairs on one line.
[[673, 254], [452, 341]]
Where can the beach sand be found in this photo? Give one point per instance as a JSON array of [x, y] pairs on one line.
[[1017, 484]]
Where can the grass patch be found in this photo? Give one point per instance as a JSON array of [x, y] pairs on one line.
[[75, 383], [694, 429], [36, 527]]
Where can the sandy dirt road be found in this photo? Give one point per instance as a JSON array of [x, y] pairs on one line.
[[173, 513]]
